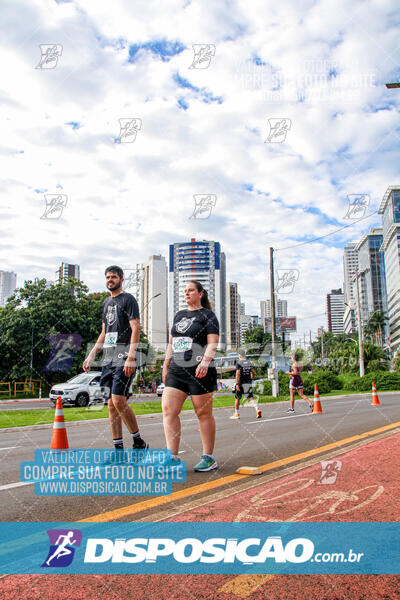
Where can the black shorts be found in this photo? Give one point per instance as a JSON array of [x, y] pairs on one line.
[[114, 378], [186, 381], [246, 389]]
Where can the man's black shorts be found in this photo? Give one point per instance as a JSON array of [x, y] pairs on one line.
[[246, 389], [114, 378], [186, 381]]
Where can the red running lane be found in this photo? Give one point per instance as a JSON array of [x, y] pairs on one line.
[[365, 488]]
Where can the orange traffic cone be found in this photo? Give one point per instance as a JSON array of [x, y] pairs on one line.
[[375, 399], [59, 440], [317, 403]]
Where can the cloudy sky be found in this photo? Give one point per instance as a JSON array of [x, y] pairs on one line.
[[202, 120]]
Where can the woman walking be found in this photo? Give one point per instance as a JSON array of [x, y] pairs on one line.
[[189, 370], [296, 383]]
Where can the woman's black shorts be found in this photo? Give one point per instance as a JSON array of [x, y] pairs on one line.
[[184, 379]]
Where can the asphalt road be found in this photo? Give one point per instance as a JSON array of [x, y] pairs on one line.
[[245, 442]]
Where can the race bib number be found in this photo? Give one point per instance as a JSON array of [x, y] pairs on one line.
[[181, 344], [111, 339]]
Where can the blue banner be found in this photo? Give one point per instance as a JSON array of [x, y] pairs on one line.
[[200, 548]]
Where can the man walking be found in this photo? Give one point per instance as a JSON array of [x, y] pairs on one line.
[[119, 339], [244, 375]]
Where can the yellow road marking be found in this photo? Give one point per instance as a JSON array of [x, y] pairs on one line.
[[244, 585], [209, 485]]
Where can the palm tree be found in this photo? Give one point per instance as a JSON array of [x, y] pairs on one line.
[[375, 325]]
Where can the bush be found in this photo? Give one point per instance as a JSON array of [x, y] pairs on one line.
[[383, 380], [377, 365], [325, 380]]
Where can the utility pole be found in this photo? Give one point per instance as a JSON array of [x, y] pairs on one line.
[[360, 333], [275, 382], [322, 343]]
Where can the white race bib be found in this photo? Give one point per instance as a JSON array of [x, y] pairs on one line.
[[181, 344], [111, 339]]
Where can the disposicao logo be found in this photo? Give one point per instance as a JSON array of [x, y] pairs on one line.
[[191, 550], [61, 551]]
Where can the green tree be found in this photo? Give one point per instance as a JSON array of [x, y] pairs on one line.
[[37, 311]]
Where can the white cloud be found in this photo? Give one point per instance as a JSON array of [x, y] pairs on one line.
[[127, 201]]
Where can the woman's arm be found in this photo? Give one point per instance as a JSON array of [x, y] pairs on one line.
[[168, 356], [211, 348]]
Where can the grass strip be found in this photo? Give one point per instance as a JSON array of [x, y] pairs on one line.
[[22, 418]]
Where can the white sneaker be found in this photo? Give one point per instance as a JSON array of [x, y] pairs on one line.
[[235, 416]]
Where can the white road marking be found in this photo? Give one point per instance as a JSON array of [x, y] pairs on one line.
[[278, 418], [9, 486], [10, 447]]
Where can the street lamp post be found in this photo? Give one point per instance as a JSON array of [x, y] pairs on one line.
[[359, 325]]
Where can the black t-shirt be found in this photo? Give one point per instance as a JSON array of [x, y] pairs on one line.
[[117, 312], [189, 336], [245, 367]]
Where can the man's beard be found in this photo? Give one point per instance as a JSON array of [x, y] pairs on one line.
[[114, 287]]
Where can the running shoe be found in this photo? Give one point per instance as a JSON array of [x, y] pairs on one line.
[[206, 464], [139, 444], [170, 463], [235, 416], [259, 414], [290, 410]]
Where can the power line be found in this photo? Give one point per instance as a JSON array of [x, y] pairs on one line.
[[328, 234]]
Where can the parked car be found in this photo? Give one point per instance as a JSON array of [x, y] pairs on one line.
[[79, 390], [160, 389]]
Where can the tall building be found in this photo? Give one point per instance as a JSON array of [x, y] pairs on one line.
[[350, 265], [65, 271], [204, 262], [8, 284], [390, 211], [371, 269], [148, 284], [245, 322], [153, 301], [232, 316], [280, 308], [335, 309]]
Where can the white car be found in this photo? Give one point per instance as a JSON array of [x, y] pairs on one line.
[[160, 389], [79, 390]]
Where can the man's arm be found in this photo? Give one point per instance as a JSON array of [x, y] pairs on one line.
[[95, 350], [129, 365], [252, 373]]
